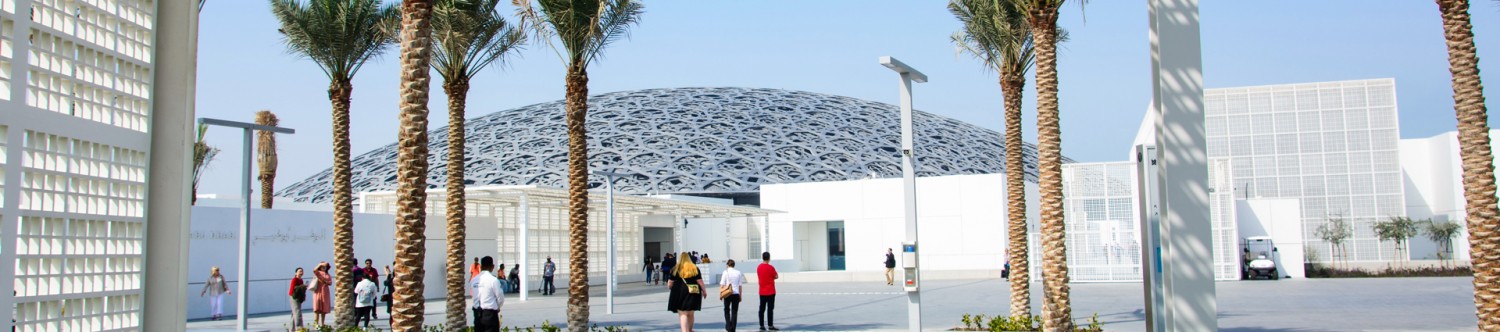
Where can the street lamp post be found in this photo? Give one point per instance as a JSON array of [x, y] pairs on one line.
[[242, 309], [909, 189], [610, 284]]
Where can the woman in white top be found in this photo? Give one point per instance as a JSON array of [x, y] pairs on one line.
[[732, 280], [215, 288]]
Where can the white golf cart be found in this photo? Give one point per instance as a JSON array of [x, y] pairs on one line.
[[1258, 258]]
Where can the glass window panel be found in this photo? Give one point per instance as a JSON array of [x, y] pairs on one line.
[[1333, 120]]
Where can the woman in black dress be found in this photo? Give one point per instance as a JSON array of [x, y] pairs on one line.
[[687, 292]]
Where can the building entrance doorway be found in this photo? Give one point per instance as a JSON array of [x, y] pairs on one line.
[[835, 246]]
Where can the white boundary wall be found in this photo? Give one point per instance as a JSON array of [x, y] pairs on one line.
[[962, 220], [283, 240]]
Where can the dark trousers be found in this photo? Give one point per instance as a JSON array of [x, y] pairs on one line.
[[486, 320], [731, 312], [547, 287], [767, 310], [362, 313]]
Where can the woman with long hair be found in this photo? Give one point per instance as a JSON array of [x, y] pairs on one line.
[[687, 293], [322, 299], [215, 288]]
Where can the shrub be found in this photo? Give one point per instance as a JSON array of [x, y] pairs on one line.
[[1020, 323], [1315, 270]]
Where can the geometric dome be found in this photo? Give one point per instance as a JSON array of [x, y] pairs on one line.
[[694, 141]]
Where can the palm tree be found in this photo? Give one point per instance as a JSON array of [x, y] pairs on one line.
[[1057, 309], [411, 164], [339, 36], [202, 155], [585, 28], [1478, 163], [265, 147], [995, 33], [470, 35]]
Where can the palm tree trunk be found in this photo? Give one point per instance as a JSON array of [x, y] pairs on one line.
[[1478, 163], [343, 208], [1057, 309], [458, 93], [411, 161], [1015, 191], [265, 146], [578, 197]]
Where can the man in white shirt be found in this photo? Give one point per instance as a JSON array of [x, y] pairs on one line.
[[732, 279], [364, 300], [487, 297]]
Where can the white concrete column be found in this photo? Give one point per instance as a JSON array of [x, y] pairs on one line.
[[1187, 242], [522, 223], [169, 183]]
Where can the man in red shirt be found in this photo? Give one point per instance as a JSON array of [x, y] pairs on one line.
[[373, 274], [766, 276]]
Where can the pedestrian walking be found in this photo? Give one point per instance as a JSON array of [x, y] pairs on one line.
[[548, 270], [686, 295], [322, 299], [766, 275], [297, 293], [390, 279], [648, 268], [215, 288], [374, 276], [364, 300], [732, 280], [487, 297], [890, 267], [667, 261]]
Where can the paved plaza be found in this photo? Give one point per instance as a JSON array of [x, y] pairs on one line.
[[1387, 304]]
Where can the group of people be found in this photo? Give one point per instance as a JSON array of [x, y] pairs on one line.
[[687, 290], [367, 289], [512, 282]]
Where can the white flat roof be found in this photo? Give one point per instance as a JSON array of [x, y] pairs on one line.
[[537, 196]]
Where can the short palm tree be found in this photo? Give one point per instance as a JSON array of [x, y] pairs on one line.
[[996, 34], [1057, 309], [339, 36], [265, 150], [584, 28], [407, 302], [469, 35], [1478, 163], [202, 155]]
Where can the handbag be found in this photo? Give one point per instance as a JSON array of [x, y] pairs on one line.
[[692, 289], [315, 283], [725, 292]]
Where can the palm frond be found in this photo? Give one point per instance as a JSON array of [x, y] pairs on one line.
[[996, 33], [470, 35], [338, 35], [582, 27]]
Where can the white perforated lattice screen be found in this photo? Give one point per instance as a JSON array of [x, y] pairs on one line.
[[75, 84], [1332, 145]]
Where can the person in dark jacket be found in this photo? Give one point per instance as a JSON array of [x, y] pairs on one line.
[[890, 267]]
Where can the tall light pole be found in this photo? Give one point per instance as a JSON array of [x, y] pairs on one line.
[[609, 185], [242, 307], [909, 190]]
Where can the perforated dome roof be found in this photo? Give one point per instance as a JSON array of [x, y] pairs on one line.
[[693, 141]]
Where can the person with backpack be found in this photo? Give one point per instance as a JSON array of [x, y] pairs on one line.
[[297, 293]]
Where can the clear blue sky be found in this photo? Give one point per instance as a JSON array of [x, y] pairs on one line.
[[832, 46]]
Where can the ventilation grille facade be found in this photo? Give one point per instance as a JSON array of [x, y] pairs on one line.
[[695, 140], [1332, 145], [75, 82], [1103, 224]]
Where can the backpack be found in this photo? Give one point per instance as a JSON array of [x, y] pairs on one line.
[[299, 293]]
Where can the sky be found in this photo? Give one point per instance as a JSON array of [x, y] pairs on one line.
[[832, 47]]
